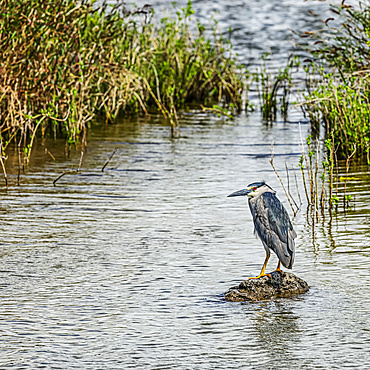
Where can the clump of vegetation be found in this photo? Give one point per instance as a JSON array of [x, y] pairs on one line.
[[317, 177], [345, 110], [341, 95], [66, 63], [346, 45], [272, 86]]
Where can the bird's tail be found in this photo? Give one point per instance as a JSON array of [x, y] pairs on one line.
[[291, 248]]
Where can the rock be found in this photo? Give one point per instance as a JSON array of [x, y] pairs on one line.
[[281, 284]]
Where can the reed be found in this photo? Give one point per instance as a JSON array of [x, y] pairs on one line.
[[317, 170], [67, 63], [272, 86], [344, 111], [338, 97]]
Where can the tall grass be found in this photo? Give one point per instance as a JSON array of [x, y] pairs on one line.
[[340, 98], [274, 89], [64, 63], [345, 110]]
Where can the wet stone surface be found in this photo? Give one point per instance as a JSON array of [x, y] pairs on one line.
[[281, 284]]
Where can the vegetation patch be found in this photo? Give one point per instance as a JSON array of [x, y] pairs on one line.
[[65, 63], [339, 96], [274, 89]]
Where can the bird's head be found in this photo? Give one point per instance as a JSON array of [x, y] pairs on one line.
[[253, 190]]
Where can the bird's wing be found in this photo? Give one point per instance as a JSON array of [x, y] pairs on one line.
[[273, 226], [278, 216]]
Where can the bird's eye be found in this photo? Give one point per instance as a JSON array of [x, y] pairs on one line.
[[254, 188]]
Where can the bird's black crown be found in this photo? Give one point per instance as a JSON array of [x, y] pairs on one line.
[[257, 184]]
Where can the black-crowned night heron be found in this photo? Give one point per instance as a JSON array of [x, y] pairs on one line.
[[271, 224]]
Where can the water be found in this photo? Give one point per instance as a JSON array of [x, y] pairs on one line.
[[257, 26], [126, 268]]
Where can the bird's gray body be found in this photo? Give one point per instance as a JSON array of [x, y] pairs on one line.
[[271, 222], [273, 226]]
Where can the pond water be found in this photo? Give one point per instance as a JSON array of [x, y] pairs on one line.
[[257, 26], [126, 268]]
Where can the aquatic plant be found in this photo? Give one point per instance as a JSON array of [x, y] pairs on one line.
[[339, 95], [344, 110], [345, 45], [271, 86], [319, 170], [64, 64]]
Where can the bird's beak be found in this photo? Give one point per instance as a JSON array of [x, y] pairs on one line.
[[240, 192]]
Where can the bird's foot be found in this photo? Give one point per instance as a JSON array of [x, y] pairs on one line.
[[277, 270], [260, 275]]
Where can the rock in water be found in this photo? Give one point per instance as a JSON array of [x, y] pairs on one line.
[[281, 284]]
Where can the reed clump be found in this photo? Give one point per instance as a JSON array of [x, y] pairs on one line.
[[65, 63], [274, 89], [339, 97], [344, 110]]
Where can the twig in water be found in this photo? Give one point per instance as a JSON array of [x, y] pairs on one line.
[[347, 169], [287, 175], [315, 182], [47, 152], [19, 158], [69, 172], [272, 164], [106, 163], [2, 162], [19, 166], [60, 176], [303, 157], [299, 196], [79, 165]]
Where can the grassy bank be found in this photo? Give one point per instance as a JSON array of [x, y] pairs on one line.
[[65, 63], [339, 97]]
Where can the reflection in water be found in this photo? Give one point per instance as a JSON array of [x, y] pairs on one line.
[[277, 329]]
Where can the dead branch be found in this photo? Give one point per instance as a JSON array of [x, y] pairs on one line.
[[272, 164], [110, 157]]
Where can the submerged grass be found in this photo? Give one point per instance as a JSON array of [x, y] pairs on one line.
[[64, 63]]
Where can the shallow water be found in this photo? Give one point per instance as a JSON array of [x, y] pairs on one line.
[[126, 268]]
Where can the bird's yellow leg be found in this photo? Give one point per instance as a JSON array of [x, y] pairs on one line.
[[262, 273], [278, 268]]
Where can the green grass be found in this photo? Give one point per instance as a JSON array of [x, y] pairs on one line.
[[345, 111], [272, 86], [66, 63], [340, 96]]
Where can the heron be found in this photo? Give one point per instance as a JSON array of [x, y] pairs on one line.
[[271, 224]]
